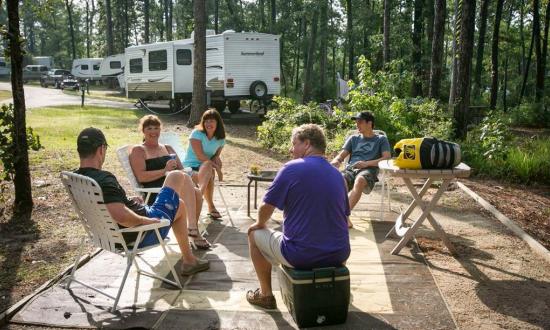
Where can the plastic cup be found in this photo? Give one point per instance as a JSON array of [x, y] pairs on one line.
[[172, 156]]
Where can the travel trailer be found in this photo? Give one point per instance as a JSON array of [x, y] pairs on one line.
[[110, 68], [86, 68], [5, 68], [43, 60], [244, 65]]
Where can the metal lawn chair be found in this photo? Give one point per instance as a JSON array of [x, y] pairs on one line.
[[104, 232]]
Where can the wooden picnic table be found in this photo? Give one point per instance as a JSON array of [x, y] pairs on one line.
[[446, 176]]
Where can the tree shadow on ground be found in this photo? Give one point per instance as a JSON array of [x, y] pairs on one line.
[[15, 234]]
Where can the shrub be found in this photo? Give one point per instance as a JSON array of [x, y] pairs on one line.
[[530, 162], [532, 115], [8, 156]]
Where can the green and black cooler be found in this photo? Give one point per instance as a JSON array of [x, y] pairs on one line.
[[316, 297]]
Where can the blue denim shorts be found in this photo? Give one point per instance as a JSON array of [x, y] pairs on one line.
[[165, 207]]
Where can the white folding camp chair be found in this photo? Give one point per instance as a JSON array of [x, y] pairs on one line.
[[104, 232], [383, 182]]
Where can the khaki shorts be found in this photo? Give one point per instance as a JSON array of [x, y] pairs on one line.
[[268, 242]]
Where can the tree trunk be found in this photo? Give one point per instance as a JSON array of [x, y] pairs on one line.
[[454, 61], [22, 180], [126, 26], [71, 27], [494, 55], [88, 34], [273, 27], [480, 46], [429, 18], [217, 15], [436, 67], [417, 49], [386, 42], [526, 70], [539, 80], [350, 42], [168, 9], [199, 64], [311, 50], [522, 34], [323, 51], [545, 38], [261, 8], [232, 14], [297, 56], [109, 26], [146, 10], [461, 92]]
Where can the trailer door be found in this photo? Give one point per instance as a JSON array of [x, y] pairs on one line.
[[183, 69]]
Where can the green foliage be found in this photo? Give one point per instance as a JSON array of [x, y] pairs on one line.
[[8, 155], [376, 92], [491, 150], [275, 132], [530, 114], [530, 162], [382, 94]]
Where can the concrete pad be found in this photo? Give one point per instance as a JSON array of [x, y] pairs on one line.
[[386, 291]]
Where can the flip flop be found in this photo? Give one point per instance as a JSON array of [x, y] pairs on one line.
[[215, 215], [202, 244]]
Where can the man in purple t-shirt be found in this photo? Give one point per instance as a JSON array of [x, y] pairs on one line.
[[313, 196]]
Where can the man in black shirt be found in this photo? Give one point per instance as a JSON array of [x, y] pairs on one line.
[[176, 200]]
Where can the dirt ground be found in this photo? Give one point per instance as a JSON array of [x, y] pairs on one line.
[[495, 281]]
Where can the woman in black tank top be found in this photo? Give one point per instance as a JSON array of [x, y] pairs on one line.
[[151, 160]]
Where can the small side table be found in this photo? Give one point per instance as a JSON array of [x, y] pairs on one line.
[[262, 176], [446, 176]]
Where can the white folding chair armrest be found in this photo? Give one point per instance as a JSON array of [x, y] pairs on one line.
[[147, 190], [162, 223]]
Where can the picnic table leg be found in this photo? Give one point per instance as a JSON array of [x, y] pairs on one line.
[[414, 203], [425, 212], [437, 227], [248, 199]]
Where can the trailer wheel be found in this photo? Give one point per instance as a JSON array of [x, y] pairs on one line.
[[234, 106], [219, 105], [258, 89]]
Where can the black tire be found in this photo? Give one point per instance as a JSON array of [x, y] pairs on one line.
[[43, 84], [258, 90], [218, 105], [234, 106]]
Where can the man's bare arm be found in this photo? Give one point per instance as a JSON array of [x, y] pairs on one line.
[[126, 217], [339, 158], [264, 214]]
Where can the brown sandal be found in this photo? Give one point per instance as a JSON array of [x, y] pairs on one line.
[[202, 243], [256, 298]]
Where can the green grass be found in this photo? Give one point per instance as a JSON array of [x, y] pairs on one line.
[[102, 94], [531, 162], [4, 95], [58, 128]]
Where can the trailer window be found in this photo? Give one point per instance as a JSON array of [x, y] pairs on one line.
[[158, 60], [183, 57], [114, 65], [136, 65], [84, 67], [96, 67]]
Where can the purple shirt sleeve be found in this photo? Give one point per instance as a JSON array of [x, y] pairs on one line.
[[278, 190]]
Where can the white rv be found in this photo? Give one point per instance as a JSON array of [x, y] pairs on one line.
[[43, 60], [238, 66], [111, 67], [86, 68], [5, 68]]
